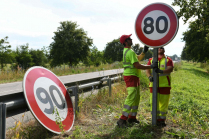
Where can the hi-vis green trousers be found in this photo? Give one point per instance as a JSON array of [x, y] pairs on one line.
[[162, 105], [132, 101]]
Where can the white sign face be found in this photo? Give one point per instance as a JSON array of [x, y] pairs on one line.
[[156, 25], [46, 96]]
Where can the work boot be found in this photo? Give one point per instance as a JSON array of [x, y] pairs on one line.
[[161, 123], [122, 123], [133, 121]]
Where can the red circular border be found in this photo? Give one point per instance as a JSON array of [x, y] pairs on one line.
[[29, 82], [173, 25]]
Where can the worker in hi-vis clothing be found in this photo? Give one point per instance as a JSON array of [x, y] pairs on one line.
[[164, 86], [131, 78]]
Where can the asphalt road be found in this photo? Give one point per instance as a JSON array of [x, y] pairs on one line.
[[16, 87], [11, 88]]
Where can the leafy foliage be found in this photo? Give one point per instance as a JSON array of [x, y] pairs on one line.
[[39, 59], [5, 52], [138, 50], [197, 37], [23, 57], [193, 8], [196, 46], [113, 51], [70, 44]]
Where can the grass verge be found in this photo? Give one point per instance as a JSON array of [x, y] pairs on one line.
[[187, 115]]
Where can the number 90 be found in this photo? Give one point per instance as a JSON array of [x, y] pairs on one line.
[[48, 99]]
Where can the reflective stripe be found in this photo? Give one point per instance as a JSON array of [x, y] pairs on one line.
[[127, 63], [133, 113], [129, 67], [160, 112], [135, 107], [125, 113], [165, 62], [125, 57], [127, 107], [164, 74], [161, 117]]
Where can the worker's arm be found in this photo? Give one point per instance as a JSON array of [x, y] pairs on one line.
[[140, 66], [148, 72], [141, 56], [168, 70]]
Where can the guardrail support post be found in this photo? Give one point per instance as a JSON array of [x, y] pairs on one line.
[[109, 81], [75, 92], [2, 120]]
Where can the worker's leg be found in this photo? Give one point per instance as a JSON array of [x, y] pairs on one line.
[[129, 102], [134, 108], [163, 106]]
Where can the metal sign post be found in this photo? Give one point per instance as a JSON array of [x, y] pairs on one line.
[[156, 26], [2, 121], [154, 91]]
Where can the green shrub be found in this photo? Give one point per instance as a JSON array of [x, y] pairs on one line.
[[97, 63], [203, 65], [177, 66]]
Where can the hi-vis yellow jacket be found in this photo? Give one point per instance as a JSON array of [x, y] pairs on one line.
[[164, 79], [129, 56]]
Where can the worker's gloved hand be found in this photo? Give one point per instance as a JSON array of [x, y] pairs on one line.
[[159, 71], [154, 65], [145, 49], [150, 78]]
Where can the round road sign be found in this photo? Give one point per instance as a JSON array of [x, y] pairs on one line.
[[46, 95], [156, 25]]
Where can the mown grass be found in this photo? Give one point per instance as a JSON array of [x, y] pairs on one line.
[[187, 115]]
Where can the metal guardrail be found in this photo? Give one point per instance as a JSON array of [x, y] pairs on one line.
[[17, 104], [75, 89]]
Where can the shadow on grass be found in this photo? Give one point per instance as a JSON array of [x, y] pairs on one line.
[[198, 72], [135, 132]]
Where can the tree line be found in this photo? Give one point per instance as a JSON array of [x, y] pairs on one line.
[[70, 46], [197, 36]]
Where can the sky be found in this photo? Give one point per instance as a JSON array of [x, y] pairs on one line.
[[35, 21]]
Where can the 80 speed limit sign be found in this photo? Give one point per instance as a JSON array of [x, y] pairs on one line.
[[45, 95], [156, 25]]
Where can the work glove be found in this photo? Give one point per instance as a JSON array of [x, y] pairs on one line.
[[158, 71], [154, 65], [145, 49], [150, 78]]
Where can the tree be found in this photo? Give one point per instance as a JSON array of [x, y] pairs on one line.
[[5, 52], [70, 44], [148, 54], [113, 51], [23, 57], [196, 45], [138, 50], [96, 56], [183, 54], [39, 59], [197, 37], [193, 8], [45, 50]]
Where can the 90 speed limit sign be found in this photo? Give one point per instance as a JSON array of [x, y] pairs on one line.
[[156, 25], [45, 95]]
